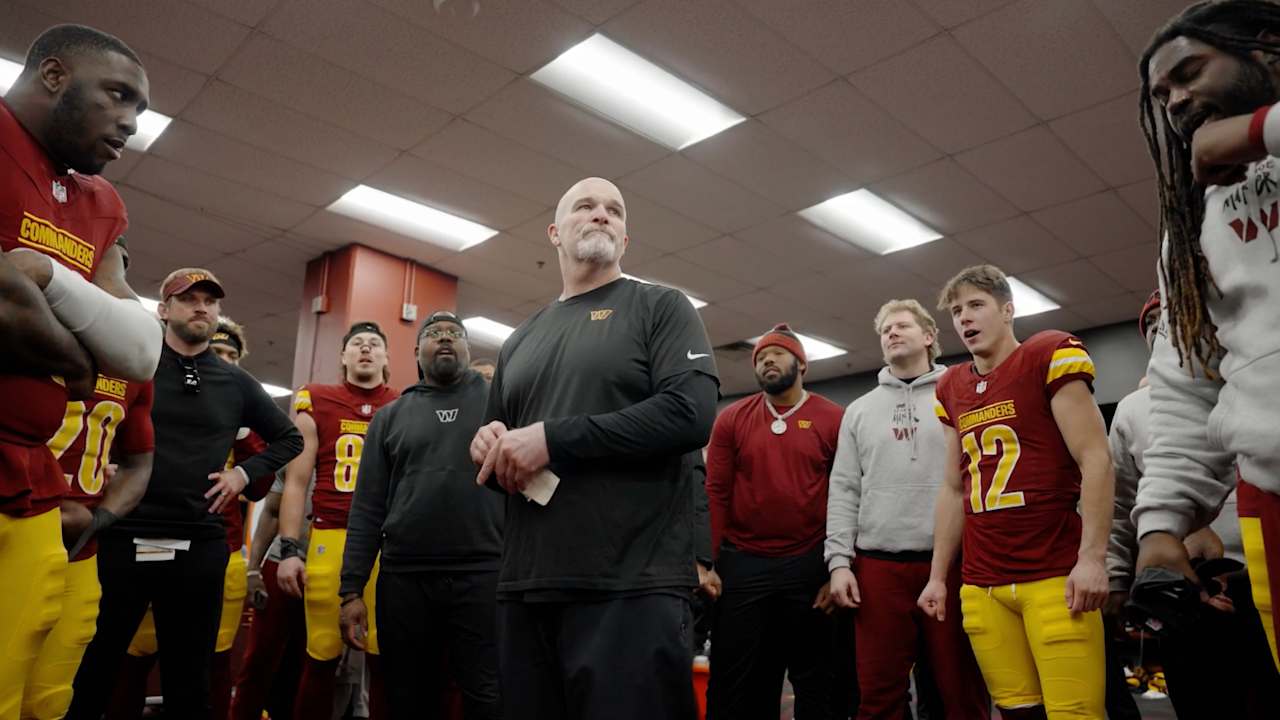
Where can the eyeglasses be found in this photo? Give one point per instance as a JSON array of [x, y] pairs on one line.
[[436, 334], [190, 376]]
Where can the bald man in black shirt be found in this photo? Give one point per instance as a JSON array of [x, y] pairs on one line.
[[608, 387]]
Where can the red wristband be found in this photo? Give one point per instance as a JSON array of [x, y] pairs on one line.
[[1256, 126]]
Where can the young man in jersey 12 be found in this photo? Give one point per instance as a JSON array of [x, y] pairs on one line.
[[1025, 445], [333, 420]]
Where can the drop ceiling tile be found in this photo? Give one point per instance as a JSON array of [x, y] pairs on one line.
[[1138, 21], [224, 157], [720, 48], [692, 190], [946, 197], [280, 256], [194, 188], [698, 281], [1017, 245], [882, 279], [382, 46], [937, 261], [768, 308], [153, 255], [178, 31], [725, 325], [515, 254], [416, 179], [262, 123], [1122, 308], [830, 293], [1134, 267], [792, 238], [191, 222], [1073, 282], [840, 125], [246, 12], [1143, 197], [1108, 139], [538, 118], [1057, 56], [732, 257], [117, 171], [950, 13], [474, 300], [1033, 169], [941, 93], [758, 158], [486, 274], [1063, 319], [239, 274], [517, 34], [1096, 224], [331, 94], [846, 36], [597, 12], [327, 230], [484, 155]]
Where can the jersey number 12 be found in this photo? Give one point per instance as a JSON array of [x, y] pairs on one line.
[[1001, 441]]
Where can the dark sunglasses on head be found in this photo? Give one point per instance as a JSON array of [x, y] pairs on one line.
[[190, 376]]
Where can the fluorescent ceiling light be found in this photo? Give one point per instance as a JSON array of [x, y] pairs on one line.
[[1029, 301], [410, 218], [692, 300], [862, 218], [150, 123], [631, 91], [486, 329], [149, 304], [814, 349], [276, 391]]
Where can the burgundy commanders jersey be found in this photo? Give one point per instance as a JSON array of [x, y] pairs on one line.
[[1021, 485], [73, 219], [233, 512], [117, 419], [342, 414]]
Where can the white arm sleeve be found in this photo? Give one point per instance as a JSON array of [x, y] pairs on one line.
[[123, 337], [1186, 480]]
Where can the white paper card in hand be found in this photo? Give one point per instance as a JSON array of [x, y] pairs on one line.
[[542, 487]]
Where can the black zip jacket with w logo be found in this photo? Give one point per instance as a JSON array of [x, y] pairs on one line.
[[416, 496]]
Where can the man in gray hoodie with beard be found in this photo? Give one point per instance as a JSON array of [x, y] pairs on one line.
[[888, 464], [439, 534]]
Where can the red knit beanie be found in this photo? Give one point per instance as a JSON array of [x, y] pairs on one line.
[[782, 336], [1152, 302]]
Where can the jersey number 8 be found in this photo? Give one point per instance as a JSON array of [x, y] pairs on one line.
[[102, 422], [347, 450], [1008, 450]]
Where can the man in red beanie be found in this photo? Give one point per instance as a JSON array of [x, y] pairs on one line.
[[767, 469]]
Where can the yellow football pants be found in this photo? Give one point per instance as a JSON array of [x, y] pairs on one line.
[[234, 590], [1033, 651], [48, 692], [324, 570], [33, 565]]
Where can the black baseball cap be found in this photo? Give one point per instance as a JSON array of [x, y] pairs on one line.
[[442, 316]]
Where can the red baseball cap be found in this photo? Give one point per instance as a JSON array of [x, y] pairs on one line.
[[183, 279]]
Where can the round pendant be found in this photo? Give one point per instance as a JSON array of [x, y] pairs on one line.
[[778, 427]]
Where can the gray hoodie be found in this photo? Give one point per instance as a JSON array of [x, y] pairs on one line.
[[886, 472], [1200, 425]]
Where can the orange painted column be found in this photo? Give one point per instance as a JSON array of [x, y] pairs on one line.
[[358, 283]]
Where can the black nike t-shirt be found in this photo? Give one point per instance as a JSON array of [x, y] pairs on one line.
[[625, 381]]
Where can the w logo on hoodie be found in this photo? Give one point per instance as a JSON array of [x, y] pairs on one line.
[[447, 416], [904, 422]]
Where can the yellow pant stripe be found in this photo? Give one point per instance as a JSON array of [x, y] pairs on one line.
[[1255, 555]]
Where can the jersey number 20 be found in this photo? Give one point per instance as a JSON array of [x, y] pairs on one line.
[[102, 422], [996, 440]]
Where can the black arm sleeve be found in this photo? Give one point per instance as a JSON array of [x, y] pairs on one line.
[[261, 415], [701, 511], [368, 509], [677, 419]]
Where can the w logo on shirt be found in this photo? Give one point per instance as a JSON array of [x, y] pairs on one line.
[[447, 416], [601, 314]]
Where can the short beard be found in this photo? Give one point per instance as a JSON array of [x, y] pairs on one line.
[[191, 337], [1251, 89], [785, 380], [444, 370], [596, 248], [66, 131]]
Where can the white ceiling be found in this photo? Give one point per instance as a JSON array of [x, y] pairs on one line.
[[1008, 126]]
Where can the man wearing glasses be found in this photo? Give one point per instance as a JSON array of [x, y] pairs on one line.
[[439, 533], [171, 550]]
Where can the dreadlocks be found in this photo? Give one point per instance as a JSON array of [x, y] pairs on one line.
[[1232, 26]]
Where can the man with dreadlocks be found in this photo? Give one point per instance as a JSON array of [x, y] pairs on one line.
[[1209, 80]]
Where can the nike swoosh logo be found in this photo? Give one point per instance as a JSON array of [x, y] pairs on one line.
[[691, 356]]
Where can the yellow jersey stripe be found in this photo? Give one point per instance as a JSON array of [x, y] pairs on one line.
[[302, 401], [940, 411], [1069, 366]]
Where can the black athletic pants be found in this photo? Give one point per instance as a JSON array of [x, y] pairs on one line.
[[432, 624], [1119, 699], [766, 628], [185, 595], [621, 658]]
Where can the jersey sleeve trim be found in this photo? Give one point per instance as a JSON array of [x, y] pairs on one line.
[[302, 400], [1069, 361], [941, 412]]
